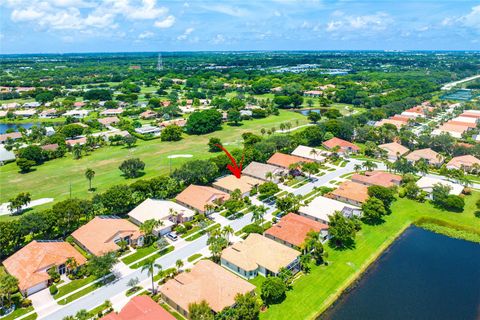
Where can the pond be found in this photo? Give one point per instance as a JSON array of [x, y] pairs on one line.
[[305, 112], [423, 275], [5, 126]]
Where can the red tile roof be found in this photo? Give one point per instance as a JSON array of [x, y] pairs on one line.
[[140, 308], [378, 178], [293, 229], [343, 144], [285, 160]]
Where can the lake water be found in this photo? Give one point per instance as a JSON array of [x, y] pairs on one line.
[[305, 112], [5, 126], [422, 276]]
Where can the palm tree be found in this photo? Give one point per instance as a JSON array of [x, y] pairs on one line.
[[150, 266], [77, 151], [314, 153], [357, 167], [173, 215], [89, 174], [304, 262], [227, 232], [269, 175], [422, 166], [258, 213], [71, 264], [369, 165], [179, 264]]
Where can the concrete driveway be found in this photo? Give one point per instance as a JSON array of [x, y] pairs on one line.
[[43, 302]]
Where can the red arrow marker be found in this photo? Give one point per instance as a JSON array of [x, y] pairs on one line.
[[234, 168]]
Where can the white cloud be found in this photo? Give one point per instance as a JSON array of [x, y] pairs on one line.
[[472, 19], [28, 14], [228, 10], [166, 23], [185, 34], [375, 22], [146, 35], [147, 11], [219, 38]]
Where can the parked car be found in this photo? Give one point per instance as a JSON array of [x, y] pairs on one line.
[[172, 236]]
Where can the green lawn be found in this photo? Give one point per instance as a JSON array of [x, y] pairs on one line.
[[20, 312], [155, 256], [72, 286], [53, 178], [313, 293], [140, 253], [84, 291], [194, 257]]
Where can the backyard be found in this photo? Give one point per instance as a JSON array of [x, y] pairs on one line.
[[315, 292]]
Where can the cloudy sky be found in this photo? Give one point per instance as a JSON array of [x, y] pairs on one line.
[[41, 26]]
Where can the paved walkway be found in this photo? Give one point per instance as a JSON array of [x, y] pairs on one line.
[[40, 300], [4, 206]]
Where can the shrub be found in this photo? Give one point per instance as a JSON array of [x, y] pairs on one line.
[[53, 289], [26, 303], [252, 228]]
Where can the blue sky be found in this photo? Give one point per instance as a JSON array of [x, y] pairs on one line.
[[51, 26]]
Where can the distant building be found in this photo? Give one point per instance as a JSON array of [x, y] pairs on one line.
[[466, 162], [344, 146], [394, 150], [432, 157], [377, 178], [148, 129]]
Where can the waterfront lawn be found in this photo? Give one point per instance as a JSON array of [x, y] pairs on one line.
[[106, 160], [313, 293]]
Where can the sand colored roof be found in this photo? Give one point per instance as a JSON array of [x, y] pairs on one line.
[[99, 235], [427, 154], [394, 148], [427, 183], [206, 281], [352, 191], [322, 208], [159, 210], [72, 142], [471, 113], [285, 160], [108, 120], [399, 117], [199, 196], [339, 142], [148, 114], [111, 111], [462, 123], [397, 123], [140, 308], [453, 127], [29, 264], [11, 135], [293, 228], [257, 250], [463, 161], [377, 178], [230, 183], [309, 153], [50, 147], [260, 170]]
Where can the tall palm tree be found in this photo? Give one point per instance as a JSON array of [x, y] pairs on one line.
[[314, 153], [179, 264], [77, 151], [71, 264], [227, 232], [357, 167], [369, 165], [269, 175], [89, 174], [258, 213], [150, 266]]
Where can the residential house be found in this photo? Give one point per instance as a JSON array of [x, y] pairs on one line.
[[246, 113], [108, 121], [259, 255], [351, 192], [140, 307], [313, 93], [322, 208], [77, 114], [148, 114], [261, 171], [471, 113], [427, 183], [12, 135], [397, 123], [81, 141], [231, 183], [283, 160], [104, 233], [394, 150], [32, 104], [31, 263], [50, 147], [201, 198], [25, 113], [455, 130], [310, 153], [168, 212], [466, 162], [292, 230], [79, 104], [111, 112], [344, 146], [178, 122], [148, 129], [48, 113], [432, 157], [5, 155], [49, 131], [377, 178], [206, 281]]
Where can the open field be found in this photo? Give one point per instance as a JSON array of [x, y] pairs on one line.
[[53, 178], [313, 293]]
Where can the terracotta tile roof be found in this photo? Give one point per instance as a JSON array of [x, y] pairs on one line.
[[29, 264], [343, 144], [230, 183], [463, 161], [199, 196], [108, 120], [398, 124], [50, 147], [140, 308], [206, 281], [98, 236], [111, 111], [257, 250], [394, 148], [377, 178], [72, 142], [471, 113], [427, 154], [293, 229], [260, 170], [452, 126], [399, 117], [285, 160], [12, 135], [352, 191], [461, 124]]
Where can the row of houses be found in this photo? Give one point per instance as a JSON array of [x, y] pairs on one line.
[[458, 126]]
